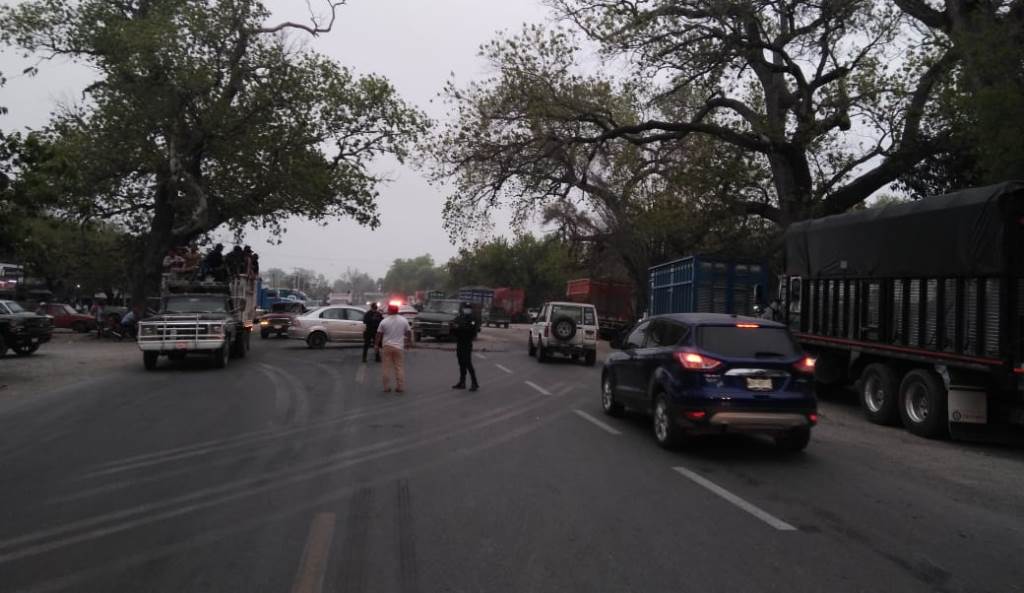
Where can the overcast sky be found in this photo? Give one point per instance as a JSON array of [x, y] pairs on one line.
[[417, 44]]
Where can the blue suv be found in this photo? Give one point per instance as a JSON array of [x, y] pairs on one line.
[[701, 373]]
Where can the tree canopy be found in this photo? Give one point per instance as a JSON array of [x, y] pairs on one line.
[[204, 115], [406, 276]]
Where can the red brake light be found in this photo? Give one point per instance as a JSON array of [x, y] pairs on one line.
[[697, 362], [695, 414], [395, 303], [748, 325], [805, 365], [813, 418]]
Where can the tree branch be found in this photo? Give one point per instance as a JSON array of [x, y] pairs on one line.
[[314, 29], [924, 13]]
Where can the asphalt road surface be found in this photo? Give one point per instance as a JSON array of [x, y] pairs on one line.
[[291, 472]]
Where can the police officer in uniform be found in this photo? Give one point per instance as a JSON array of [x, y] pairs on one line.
[[465, 328], [371, 321]]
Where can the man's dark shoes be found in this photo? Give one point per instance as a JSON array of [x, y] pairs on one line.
[[475, 387], [459, 386]]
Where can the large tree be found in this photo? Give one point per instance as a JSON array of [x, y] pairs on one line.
[[985, 105], [204, 115], [406, 276], [822, 96]]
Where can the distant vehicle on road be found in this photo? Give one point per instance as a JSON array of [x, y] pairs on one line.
[[408, 311], [564, 328], [65, 317], [435, 320], [498, 317], [678, 368], [209, 317], [279, 318], [613, 300], [701, 284], [328, 324], [22, 331]]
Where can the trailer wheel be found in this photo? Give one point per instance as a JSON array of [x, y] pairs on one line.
[[923, 404], [879, 389]]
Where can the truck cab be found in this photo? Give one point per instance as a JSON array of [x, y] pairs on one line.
[[212, 319]]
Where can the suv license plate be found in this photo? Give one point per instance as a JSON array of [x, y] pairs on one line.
[[759, 384]]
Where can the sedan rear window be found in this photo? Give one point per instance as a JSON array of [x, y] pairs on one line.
[[738, 342]]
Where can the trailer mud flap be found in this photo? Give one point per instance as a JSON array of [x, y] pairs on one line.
[[968, 405]]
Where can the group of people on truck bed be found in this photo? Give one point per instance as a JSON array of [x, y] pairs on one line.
[[240, 261]]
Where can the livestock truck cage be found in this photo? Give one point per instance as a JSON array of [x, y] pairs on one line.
[[922, 302]]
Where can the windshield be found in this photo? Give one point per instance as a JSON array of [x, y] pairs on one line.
[[450, 307], [737, 342], [14, 307], [195, 304], [570, 311]]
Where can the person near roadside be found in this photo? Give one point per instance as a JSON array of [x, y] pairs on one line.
[[371, 321], [393, 336], [98, 309], [465, 329]]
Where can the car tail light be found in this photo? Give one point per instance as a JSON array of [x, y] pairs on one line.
[[697, 362], [695, 415], [813, 418], [805, 365], [748, 325]]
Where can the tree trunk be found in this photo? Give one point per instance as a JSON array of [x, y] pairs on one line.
[[149, 267]]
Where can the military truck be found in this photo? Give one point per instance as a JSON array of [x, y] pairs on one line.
[[210, 318]]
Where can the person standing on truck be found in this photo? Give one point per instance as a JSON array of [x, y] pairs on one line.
[[465, 329], [392, 336], [371, 321]]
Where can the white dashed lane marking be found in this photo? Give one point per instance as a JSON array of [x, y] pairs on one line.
[[504, 368], [538, 388], [596, 422], [736, 500]]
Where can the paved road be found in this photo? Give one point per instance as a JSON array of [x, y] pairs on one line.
[[291, 472]]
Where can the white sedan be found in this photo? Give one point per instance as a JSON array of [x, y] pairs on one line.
[[333, 323]]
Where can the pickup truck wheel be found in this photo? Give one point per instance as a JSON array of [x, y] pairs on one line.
[[531, 350], [923, 404], [317, 340], [221, 356], [241, 344], [25, 350], [879, 388], [150, 359], [591, 358]]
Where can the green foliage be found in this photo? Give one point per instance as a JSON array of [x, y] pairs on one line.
[[406, 276], [539, 266], [201, 118]]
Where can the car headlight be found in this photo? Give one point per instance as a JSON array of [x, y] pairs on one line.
[[264, 322]]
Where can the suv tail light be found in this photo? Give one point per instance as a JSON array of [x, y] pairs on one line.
[[547, 331], [697, 362], [805, 365]]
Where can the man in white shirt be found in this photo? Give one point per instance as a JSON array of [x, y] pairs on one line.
[[392, 336]]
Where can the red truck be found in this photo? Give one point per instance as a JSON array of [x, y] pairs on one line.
[[614, 302], [508, 305]]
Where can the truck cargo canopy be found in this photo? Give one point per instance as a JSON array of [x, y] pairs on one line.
[[957, 234]]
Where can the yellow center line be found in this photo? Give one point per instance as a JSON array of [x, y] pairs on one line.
[[310, 578]]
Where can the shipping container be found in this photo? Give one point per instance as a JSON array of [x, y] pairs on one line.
[[613, 300], [511, 300], [699, 284]]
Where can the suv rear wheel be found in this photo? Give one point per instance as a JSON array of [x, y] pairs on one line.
[[608, 403], [531, 350], [591, 358], [666, 432]]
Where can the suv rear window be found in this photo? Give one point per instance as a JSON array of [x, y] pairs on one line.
[[738, 342], [574, 313]]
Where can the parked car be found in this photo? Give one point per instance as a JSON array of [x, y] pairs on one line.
[[704, 373], [22, 331], [279, 318], [498, 317], [565, 328], [328, 324], [65, 317]]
